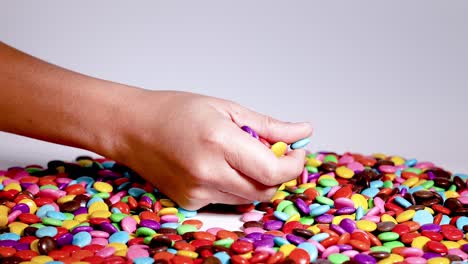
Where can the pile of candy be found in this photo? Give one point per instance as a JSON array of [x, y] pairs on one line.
[[345, 208]]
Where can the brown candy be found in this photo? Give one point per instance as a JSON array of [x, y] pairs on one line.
[[46, 244]]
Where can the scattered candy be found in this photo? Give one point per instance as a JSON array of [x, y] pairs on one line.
[[346, 208]]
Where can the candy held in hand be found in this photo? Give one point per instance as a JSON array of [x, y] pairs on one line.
[[343, 208]]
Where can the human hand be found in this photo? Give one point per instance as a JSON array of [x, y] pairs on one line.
[[191, 147]]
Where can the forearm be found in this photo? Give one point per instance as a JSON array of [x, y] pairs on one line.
[[46, 102]]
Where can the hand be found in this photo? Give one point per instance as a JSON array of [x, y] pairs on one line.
[[191, 147]]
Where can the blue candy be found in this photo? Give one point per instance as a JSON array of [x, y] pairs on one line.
[[320, 237], [143, 260], [311, 249], [223, 257], [46, 231], [300, 143], [56, 215], [370, 192], [320, 210], [461, 222], [281, 216], [187, 213], [42, 211], [402, 201], [279, 241], [9, 236], [423, 217], [119, 237], [81, 239]]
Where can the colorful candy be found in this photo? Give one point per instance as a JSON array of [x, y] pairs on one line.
[[346, 208]]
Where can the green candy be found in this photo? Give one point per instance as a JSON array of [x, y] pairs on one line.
[[102, 195], [393, 244], [117, 226], [388, 236], [117, 217], [337, 258], [282, 205], [226, 242], [48, 186], [307, 220], [145, 231], [328, 182], [33, 170], [37, 225], [51, 221], [438, 189], [181, 217], [452, 188], [388, 184], [311, 169], [324, 200], [291, 210], [427, 184], [330, 158], [380, 249], [312, 155], [147, 240], [300, 190], [124, 199], [69, 216], [151, 196], [370, 202], [182, 229], [413, 170]]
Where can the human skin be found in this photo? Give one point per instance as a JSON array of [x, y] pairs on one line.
[[188, 145]]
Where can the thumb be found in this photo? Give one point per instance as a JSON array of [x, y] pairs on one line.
[[269, 128]]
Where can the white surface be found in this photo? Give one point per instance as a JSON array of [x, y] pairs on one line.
[[372, 76]]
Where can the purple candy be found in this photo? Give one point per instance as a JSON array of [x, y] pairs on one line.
[[430, 175], [25, 185], [337, 228], [364, 259], [273, 225], [22, 207], [8, 243], [313, 176], [344, 247], [22, 246], [403, 191], [429, 255], [431, 227], [82, 229], [296, 240], [302, 206], [62, 186], [324, 219], [108, 227], [263, 243], [65, 239], [150, 224], [146, 199], [348, 225], [464, 247], [254, 236], [268, 236], [345, 210], [81, 210], [250, 131]]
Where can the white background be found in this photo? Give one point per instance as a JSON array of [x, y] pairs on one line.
[[372, 76]]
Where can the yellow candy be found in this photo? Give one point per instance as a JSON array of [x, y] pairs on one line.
[[30, 203], [13, 186], [282, 187], [3, 178], [3, 220], [405, 216], [294, 217], [359, 200], [286, 249], [121, 253], [167, 202], [307, 185], [392, 259], [411, 181], [17, 227], [451, 194], [103, 187], [313, 162], [397, 160], [344, 172], [379, 155], [60, 169], [168, 211], [420, 242], [279, 195], [390, 176], [41, 259], [137, 218], [387, 217], [101, 214], [247, 255], [187, 253], [315, 229], [337, 219], [438, 260], [366, 225], [451, 244], [462, 242], [429, 210], [69, 224], [81, 218], [291, 183], [117, 246], [98, 206], [33, 245], [65, 198], [4, 210], [279, 148], [85, 163]]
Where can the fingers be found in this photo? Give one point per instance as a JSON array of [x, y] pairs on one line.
[[269, 128], [248, 156]]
